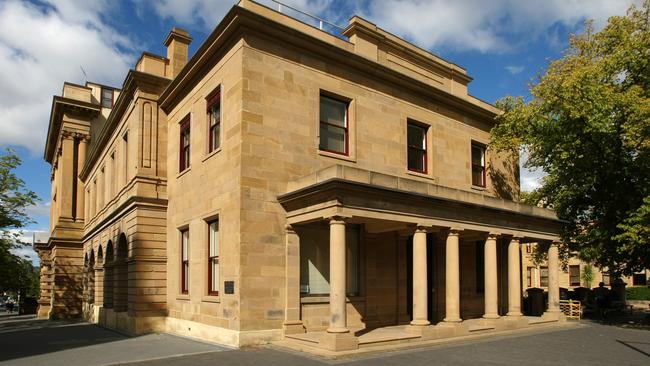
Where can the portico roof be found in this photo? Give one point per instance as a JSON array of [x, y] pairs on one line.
[[352, 192]]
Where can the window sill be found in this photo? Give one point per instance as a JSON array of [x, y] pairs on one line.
[[325, 299], [183, 172], [421, 175], [479, 188], [337, 156], [211, 298], [211, 154], [185, 297]]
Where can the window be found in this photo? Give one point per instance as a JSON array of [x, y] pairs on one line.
[[185, 261], [334, 126], [213, 258], [315, 260], [543, 277], [416, 136], [529, 248], [606, 279], [529, 277], [478, 165], [107, 98], [214, 120], [639, 279], [574, 275], [184, 161]]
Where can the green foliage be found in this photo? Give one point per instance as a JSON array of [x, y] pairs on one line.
[[637, 293], [587, 127], [587, 275], [16, 273]]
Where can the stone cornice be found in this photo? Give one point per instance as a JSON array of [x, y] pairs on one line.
[[240, 21], [134, 81], [59, 106]]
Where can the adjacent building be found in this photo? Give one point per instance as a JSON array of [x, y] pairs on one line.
[[287, 183]]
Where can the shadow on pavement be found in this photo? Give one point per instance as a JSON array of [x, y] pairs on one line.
[[23, 338]]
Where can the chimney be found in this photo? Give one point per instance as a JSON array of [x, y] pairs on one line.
[[177, 42]]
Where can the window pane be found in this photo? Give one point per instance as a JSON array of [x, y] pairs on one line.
[[477, 176], [185, 244], [107, 98], [215, 137], [333, 112], [416, 159], [478, 155], [416, 136], [314, 260], [214, 239], [186, 276], [332, 138], [214, 284]]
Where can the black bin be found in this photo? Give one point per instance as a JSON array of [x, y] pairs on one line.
[[535, 301]]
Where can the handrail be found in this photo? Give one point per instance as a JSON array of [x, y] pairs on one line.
[[321, 21]]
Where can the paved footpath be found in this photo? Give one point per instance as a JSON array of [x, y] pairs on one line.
[[33, 342]]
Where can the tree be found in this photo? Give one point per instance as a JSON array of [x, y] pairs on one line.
[[16, 273], [587, 275], [587, 126]]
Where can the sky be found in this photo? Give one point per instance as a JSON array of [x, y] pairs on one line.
[[505, 45]]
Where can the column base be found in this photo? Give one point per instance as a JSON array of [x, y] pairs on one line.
[[339, 341], [295, 327], [452, 320], [420, 323], [514, 313], [491, 316]]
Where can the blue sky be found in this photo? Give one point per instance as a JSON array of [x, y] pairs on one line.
[[503, 44]]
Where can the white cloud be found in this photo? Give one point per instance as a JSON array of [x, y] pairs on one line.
[[464, 25], [485, 27], [514, 69], [39, 209], [28, 237], [43, 46]]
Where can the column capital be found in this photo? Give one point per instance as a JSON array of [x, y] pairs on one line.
[[493, 235], [421, 229], [454, 231], [289, 229], [341, 220], [555, 244]]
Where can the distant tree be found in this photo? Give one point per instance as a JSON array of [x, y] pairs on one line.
[[587, 275], [16, 273], [587, 127]]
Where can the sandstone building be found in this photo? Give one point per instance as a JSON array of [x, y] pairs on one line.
[[285, 182]]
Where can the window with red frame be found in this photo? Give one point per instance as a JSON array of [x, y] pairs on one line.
[[334, 125], [184, 161], [213, 257], [185, 261], [214, 120], [529, 276], [543, 277], [478, 165], [416, 136], [574, 275]]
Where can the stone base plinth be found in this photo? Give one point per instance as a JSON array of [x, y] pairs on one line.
[[339, 341], [554, 315], [293, 328]]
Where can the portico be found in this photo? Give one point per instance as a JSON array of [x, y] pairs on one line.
[[439, 233]]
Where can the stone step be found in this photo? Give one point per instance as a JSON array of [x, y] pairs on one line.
[[480, 328], [539, 321]]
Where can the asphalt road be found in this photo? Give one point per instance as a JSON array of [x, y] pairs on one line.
[[31, 342]]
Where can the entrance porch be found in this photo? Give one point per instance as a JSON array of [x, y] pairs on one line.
[[369, 264]]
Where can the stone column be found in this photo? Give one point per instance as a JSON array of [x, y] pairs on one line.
[[338, 314], [292, 323], [553, 279], [338, 336], [420, 306], [491, 281], [452, 278], [514, 278]]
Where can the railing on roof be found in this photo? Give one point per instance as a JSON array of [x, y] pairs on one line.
[[335, 29]]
